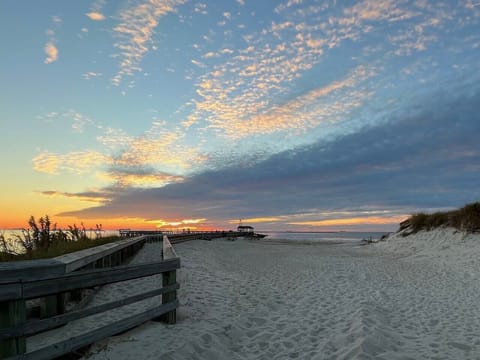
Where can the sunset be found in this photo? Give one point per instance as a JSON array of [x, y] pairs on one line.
[[240, 179], [297, 115]]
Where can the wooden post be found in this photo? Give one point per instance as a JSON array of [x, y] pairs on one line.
[[169, 278], [12, 313], [52, 305], [106, 261]]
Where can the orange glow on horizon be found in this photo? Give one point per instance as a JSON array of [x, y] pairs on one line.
[[372, 220], [18, 219]]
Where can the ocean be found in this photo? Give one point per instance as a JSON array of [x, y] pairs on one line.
[[333, 237], [341, 237]]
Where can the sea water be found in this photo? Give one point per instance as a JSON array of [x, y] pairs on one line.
[[334, 237]]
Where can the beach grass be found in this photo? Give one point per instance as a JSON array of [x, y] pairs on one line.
[[57, 248], [43, 240], [466, 219]]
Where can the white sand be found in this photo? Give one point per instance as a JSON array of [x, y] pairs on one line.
[[408, 298]]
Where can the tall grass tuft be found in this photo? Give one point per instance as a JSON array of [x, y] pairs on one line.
[[465, 219], [44, 240]]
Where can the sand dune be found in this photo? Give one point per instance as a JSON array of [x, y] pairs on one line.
[[257, 300]]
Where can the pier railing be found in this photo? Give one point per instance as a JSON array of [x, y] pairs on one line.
[[53, 280]]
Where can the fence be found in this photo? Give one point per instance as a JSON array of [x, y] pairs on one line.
[[52, 280]]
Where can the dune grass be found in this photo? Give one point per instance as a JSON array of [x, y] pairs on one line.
[[43, 240], [57, 249], [465, 219]]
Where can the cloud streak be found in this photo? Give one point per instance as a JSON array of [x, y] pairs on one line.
[[135, 31], [51, 52], [95, 16], [90, 196], [50, 48], [78, 162]]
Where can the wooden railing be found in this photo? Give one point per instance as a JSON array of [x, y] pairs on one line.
[[51, 279], [175, 235]]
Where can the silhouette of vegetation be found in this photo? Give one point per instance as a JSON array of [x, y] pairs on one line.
[[44, 240], [465, 219]]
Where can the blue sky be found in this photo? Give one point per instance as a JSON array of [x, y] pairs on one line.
[[311, 115]]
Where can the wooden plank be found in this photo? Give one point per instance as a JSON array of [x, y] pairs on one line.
[[12, 313], [49, 306], [85, 279], [10, 291], [15, 271], [34, 327], [168, 250], [169, 278], [79, 259], [52, 305], [90, 337]]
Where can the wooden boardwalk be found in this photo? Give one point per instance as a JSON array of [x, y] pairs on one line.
[[54, 281], [146, 262]]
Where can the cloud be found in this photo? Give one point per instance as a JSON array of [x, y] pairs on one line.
[[423, 158], [242, 116], [91, 75], [157, 147], [52, 53], [96, 11], [79, 121], [91, 196], [184, 223], [198, 63], [135, 31], [78, 162], [51, 50], [155, 158], [114, 139], [255, 90], [96, 16], [242, 95], [139, 176], [375, 10], [201, 8]]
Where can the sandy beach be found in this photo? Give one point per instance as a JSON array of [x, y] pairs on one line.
[[402, 299]]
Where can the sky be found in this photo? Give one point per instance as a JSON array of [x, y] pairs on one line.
[[289, 115]]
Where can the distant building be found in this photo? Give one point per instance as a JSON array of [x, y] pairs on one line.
[[245, 228]]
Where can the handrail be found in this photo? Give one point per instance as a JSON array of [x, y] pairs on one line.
[[83, 279], [78, 259], [77, 342], [37, 326], [51, 278], [168, 250]]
